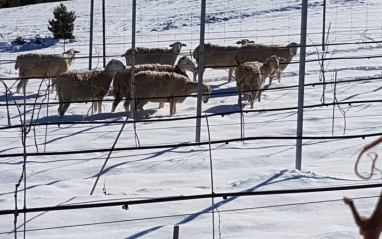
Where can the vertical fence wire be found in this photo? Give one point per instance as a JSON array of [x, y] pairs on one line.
[[212, 177], [24, 138]]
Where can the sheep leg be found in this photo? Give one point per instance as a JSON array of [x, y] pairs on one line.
[[161, 105], [115, 103], [172, 107], [99, 106], [251, 98], [196, 73], [126, 105], [270, 80], [53, 85], [239, 99], [230, 72], [275, 74], [259, 95], [22, 84], [62, 109], [94, 106], [59, 107], [271, 76], [141, 103], [279, 77]]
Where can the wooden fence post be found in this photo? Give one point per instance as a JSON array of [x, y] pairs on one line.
[[176, 232]]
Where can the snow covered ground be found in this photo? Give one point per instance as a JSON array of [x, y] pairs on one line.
[[353, 29]]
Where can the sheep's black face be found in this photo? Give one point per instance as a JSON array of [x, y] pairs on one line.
[[293, 48], [177, 46]]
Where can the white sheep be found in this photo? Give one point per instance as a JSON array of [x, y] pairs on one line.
[[157, 86], [217, 57], [251, 76], [260, 53], [122, 80], [33, 65], [86, 86], [165, 56]]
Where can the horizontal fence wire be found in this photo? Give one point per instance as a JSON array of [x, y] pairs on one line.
[[276, 46], [223, 141], [36, 123], [216, 94], [225, 195], [184, 215]]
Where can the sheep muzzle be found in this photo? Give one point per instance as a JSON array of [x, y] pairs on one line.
[[205, 98]]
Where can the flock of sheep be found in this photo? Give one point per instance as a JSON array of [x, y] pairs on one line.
[[157, 77]]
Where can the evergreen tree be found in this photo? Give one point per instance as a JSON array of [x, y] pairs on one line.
[[2, 3], [63, 24], [13, 3]]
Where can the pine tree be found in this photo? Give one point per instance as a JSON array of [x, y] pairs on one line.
[[2, 3], [63, 24], [13, 3]]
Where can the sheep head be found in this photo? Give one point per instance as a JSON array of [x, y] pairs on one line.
[[185, 64], [177, 46], [293, 46], [244, 41], [69, 56], [274, 62], [206, 93], [114, 66], [71, 52]]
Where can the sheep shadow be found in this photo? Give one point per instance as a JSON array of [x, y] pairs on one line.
[[147, 157], [355, 95], [219, 109], [112, 116], [218, 92], [19, 97], [223, 94]]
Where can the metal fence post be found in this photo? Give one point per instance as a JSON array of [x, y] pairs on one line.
[[300, 113], [132, 106], [200, 69], [104, 32], [91, 34]]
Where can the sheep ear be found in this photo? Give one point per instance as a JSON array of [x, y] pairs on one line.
[[238, 42], [251, 42], [282, 59], [171, 45], [184, 44]]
